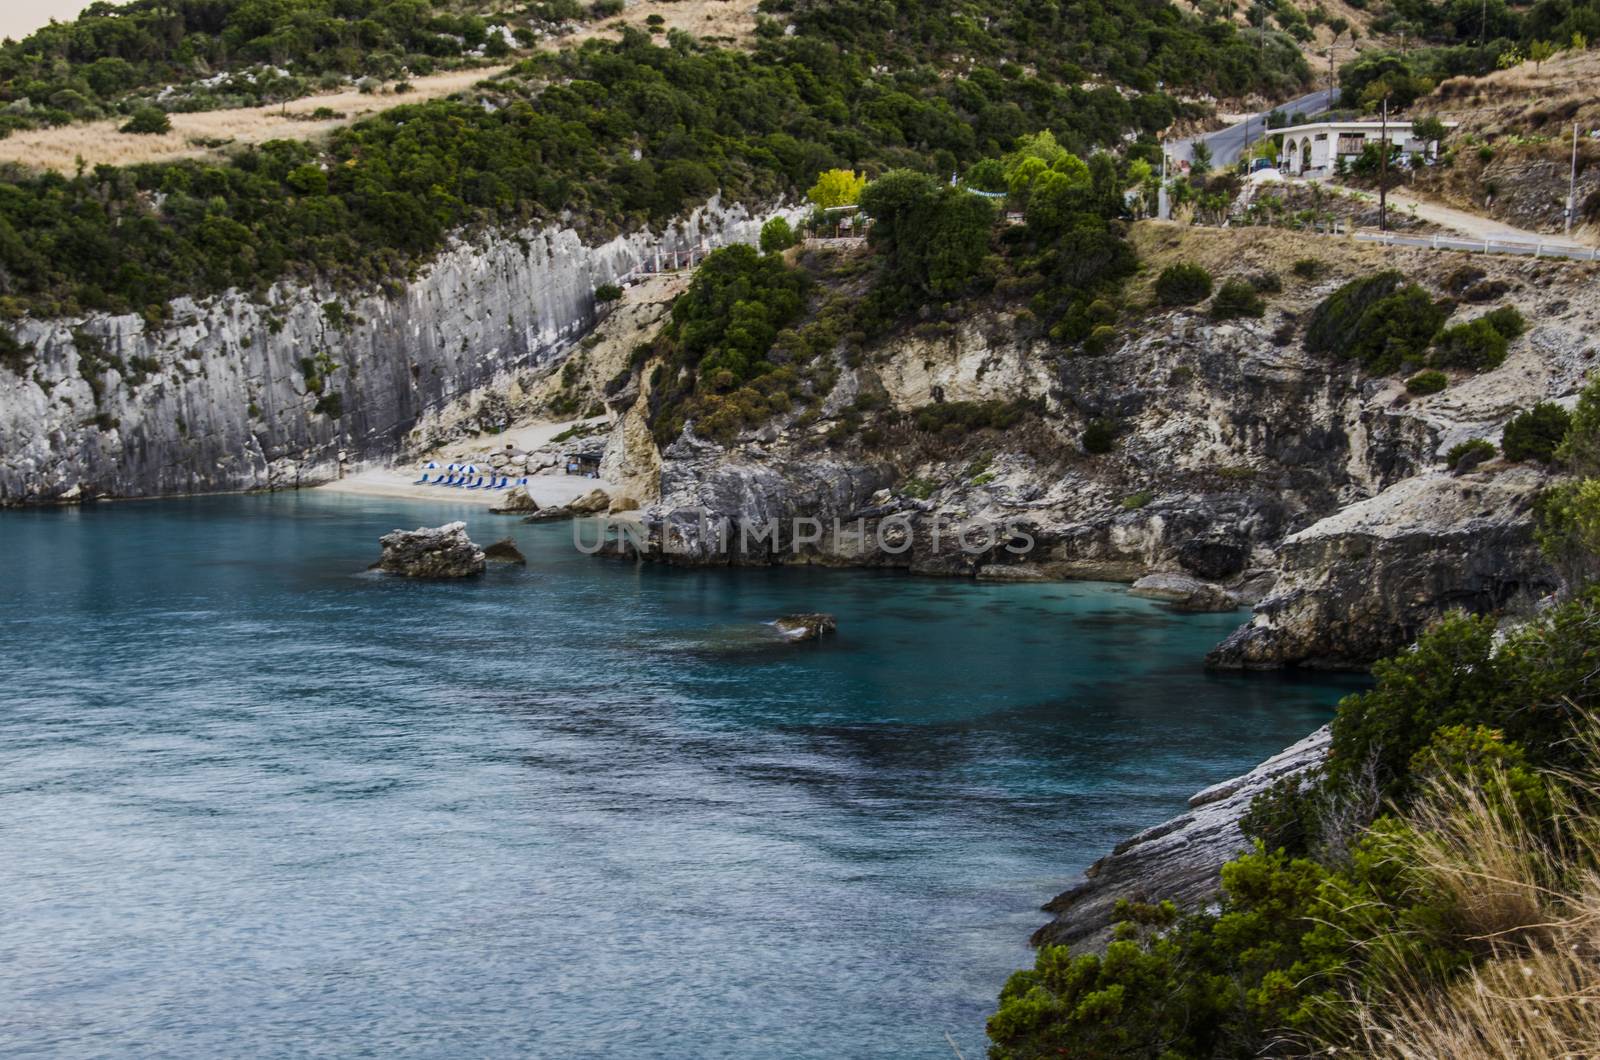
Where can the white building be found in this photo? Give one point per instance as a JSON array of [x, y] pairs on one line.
[[1316, 148]]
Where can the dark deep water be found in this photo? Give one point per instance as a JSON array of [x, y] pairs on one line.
[[256, 802]]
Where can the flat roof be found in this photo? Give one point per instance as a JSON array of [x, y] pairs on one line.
[[1324, 126]]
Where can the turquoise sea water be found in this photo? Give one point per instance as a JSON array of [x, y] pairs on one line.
[[257, 802]]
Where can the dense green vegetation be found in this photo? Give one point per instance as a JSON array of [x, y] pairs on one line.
[[610, 136], [1480, 344], [235, 52], [1142, 45], [746, 343], [1535, 434], [1331, 908], [1387, 324], [1237, 298], [1428, 381], [717, 344], [1379, 320]]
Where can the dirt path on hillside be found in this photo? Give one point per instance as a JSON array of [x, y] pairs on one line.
[[1471, 225], [1474, 225]]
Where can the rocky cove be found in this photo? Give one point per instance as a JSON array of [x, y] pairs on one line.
[[1247, 472]]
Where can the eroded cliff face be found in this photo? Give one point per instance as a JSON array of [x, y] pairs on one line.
[[1245, 471], [237, 394], [1228, 442]]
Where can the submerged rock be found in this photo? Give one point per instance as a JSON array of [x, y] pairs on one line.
[[806, 627], [516, 502], [1184, 593], [505, 551], [1180, 860], [431, 552]]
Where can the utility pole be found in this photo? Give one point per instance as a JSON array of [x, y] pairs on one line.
[[1383, 170], [1572, 180], [1483, 22], [1163, 196]]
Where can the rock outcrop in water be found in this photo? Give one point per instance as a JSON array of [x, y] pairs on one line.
[[1179, 860], [237, 394], [431, 552], [807, 627], [505, 551], [1185, 592]]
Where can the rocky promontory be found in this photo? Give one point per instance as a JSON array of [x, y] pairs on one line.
[[1178, 860], [1362, 583]]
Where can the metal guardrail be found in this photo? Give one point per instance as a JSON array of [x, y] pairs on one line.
[[1483, 246]]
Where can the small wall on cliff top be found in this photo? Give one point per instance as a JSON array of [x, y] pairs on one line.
[[236, 394]]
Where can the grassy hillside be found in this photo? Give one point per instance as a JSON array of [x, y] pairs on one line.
[[613, 135]]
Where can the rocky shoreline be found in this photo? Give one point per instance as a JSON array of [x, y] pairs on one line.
[[1178, 860]]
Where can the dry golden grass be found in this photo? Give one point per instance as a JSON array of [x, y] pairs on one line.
[[213, 133], [1534, 905], [1525, 115], [99, 143], [724, 20]]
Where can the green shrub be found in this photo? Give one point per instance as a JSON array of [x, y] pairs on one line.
[[1308, 268], [1535, 434], [1376, 321], [1183, 284], [1099, 437], [1464, 456], [1266, 282], [1237, 298], [1507, 321], [1336, 322], [607, 292], [776, 236], [1426, 382], [148, 121], [330, 404], [1099, 340], [1135, 501], [1477, 346], [948, 417]]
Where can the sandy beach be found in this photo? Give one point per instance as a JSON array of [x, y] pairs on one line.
[[546, 489]]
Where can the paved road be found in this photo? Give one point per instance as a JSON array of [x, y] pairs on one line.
[[1227, 144]]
